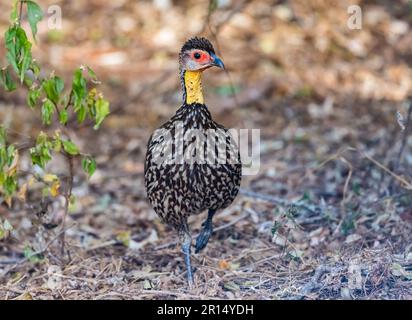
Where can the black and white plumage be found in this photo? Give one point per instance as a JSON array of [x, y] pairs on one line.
[[192, 163]]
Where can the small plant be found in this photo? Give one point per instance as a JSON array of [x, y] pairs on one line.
[[57, 103], [282, 226]]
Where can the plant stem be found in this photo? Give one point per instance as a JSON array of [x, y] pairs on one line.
[[67, 197], [70, 99], [57, 110], [20, 11]]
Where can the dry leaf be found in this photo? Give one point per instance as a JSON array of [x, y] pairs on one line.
[[223, 264], [352, 238], [22, 192], [54, 189]]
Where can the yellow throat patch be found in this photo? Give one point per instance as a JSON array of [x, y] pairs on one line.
[[193, 84]]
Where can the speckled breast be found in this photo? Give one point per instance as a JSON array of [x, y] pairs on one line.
[[192, 164]]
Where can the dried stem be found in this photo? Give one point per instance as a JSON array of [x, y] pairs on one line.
[[406, 184], [349, 176], [404, 137], [69, 100]]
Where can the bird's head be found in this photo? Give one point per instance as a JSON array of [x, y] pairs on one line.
[[198, 54]]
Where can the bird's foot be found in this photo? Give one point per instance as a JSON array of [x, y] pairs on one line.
[[203, 238], [190, 282]]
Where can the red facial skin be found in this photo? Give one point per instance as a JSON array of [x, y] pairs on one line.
[[203, 59]]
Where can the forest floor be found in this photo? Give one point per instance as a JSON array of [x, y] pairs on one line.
[[329, 214]]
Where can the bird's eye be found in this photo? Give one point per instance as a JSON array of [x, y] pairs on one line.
[[197, 55]]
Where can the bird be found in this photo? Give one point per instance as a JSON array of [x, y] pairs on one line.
[[192, 163]]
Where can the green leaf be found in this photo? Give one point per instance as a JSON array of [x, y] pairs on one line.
[[53, 87], [2, 137], [18, 50], [70, 147], [30, 255], [10, 185], [26, 59], [33, 96], [10, 154], [49, 89], [23, 49], [91, 73], [35, 68], [47, 111], [91, 103], [79, 89], [6, 81], [42, 138], [81, 113], [59, 84], [40, 154], [57, 144], [2, 232], [11, 55], [63, 117], [89, 165], [35, 14], [102, 110]]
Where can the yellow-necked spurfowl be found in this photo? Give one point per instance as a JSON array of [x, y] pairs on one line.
[[192, 163]]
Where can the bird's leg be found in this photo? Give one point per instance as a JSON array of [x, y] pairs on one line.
[[186, 241], [203, 237]]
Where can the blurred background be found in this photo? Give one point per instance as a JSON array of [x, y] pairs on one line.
[[329, 195]]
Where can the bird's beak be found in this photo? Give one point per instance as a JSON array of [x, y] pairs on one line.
[[217, 62]]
